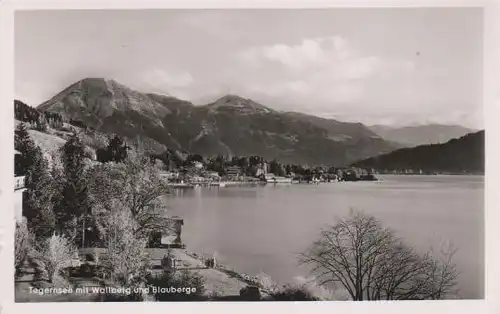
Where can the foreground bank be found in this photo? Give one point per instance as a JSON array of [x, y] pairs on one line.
[[218, 282]]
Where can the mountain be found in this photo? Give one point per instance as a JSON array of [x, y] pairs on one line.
[[231, 125], [465, 154], [237, 126], [110, 107], [337, 131], [420, 135]]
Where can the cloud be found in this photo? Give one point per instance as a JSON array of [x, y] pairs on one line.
[[327, 69], [326, 53], [161, 81], [472, 119], [309, 53], [158, 77]]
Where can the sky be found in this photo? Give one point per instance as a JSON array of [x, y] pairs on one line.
[[391, 66]]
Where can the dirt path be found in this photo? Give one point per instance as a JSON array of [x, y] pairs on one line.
[[216, 281]]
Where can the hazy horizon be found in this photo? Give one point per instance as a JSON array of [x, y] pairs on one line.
[[377, 66]]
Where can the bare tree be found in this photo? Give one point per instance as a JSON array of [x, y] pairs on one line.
[[136, 183], [265, 282], [22, 245], [126, 262], [54, 254], [145, 187], [371, 263]]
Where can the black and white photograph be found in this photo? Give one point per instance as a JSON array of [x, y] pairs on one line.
[[333, 154]]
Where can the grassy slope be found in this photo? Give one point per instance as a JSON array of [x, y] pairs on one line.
[[51, 140]]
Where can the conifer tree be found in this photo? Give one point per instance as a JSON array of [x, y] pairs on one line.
[[38, 197], [26, 147], [117, 149], [73, 208]]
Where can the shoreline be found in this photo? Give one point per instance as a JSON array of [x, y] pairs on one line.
[[214, 184], [221, 184], [249, 280], [220, 281]]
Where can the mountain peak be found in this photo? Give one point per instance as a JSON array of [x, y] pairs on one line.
[[91, 79], [96, 81], [230, 100], [95, 99], [231, 97], [235, 102]]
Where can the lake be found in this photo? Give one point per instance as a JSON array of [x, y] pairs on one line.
[[261, 229]]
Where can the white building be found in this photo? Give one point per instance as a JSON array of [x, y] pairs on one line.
[[18, 196], [170, 175]]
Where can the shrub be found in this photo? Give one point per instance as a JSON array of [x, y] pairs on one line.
[[137, 186], [182, 279], [87, 270], [116, 151], [126, 260], [250, 293], [22, 246], [90, 257], [54, 254], [133, 297], [290, 293], [265, 282]]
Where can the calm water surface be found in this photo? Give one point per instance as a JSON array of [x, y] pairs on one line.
[[254, 229]]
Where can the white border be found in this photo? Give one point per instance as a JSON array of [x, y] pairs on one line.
[[492, 114]]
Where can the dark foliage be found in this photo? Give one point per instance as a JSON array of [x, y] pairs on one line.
[[171, 159], [26, 147], [38, 120], [38, 197], [277, 168], [133, 297], [250, 293], [78, 123], [182, 279], [217, 164], [116, 151], [75, 200], [465, 154], [195, 158], [293, 294]]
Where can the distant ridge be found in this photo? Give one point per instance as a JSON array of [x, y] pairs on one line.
[[410, 136], [462, 155]]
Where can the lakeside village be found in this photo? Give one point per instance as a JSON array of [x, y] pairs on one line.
[[87, 220], [255, 170], [196, 174]]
